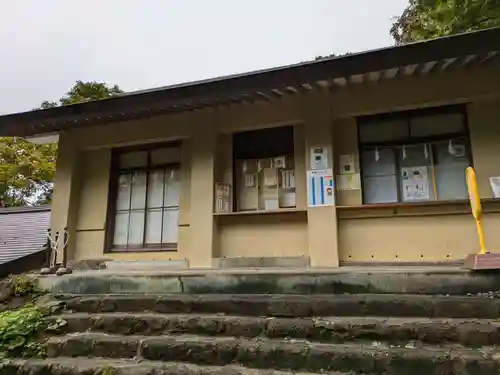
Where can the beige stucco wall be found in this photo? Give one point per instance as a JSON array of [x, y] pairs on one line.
[[323, 234], [430, 238], [263, 235]]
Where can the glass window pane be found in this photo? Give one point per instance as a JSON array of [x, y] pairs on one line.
[[154, 226], [383, 131], [416, 174], [155, 188], [167, 155], [123, 197], [172, 187], [138, 200], [451, 161], [136, 228], [134, 159], [381, 189], [121, 229], [438, 124], [379, 162], [170, 225]]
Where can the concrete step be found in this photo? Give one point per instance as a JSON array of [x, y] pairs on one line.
[[402, 331], [290, 355], [96, 366], [392, 280], [151, 266], [292, 305]]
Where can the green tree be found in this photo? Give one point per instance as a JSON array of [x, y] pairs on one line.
[[427, 19], [27, 170]]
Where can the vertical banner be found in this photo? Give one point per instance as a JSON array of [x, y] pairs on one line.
[[320, 188]]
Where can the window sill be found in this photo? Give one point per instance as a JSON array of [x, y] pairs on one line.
[[268, 212], [414, 209], [143, 250]]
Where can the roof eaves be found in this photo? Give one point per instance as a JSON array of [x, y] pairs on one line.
[[354, 63], [22, 209]]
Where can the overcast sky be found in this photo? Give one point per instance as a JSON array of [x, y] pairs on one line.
[[47, 45]]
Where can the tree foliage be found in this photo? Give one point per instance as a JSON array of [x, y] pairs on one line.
[[427, 19], [27, 170], [84, 92]]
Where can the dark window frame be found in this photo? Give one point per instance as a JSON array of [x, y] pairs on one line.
[[114, 175], [407, 115]]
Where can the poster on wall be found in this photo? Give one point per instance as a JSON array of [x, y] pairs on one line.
[[347, 164], [495, 186], [222, 198], [349, 181], [319, 158], [320, 189], [415, 183]]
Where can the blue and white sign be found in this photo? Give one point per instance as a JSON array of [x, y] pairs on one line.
[[320, 188]]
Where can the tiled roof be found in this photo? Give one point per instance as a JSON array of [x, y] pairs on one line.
[[22, 231]]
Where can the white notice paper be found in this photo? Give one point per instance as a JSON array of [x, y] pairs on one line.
[[349, 181], [415, 183], [347, 164], [495, 186]]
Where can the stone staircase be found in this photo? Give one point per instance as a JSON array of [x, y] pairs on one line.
[[189, 334]]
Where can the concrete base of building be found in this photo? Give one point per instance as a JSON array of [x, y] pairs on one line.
[[261, 262], [351, 280]]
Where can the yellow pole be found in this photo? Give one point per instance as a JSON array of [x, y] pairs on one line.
[[475, 204], [480, 234]]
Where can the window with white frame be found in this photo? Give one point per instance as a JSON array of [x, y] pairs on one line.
[[414, 156], [145, 212]]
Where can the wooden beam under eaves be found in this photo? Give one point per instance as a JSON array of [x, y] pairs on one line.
[[263, 96], [339, 82], [450, 63], [223, 102], [321, 86], [467, 61], [424, 68], [246, 98], [372, 77], [278, 93], [291, 90], [437, 67], [491, 56], [356, 79], [390, 73]]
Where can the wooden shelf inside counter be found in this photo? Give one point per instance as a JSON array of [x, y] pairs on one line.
[[414, 209], [262, 212]]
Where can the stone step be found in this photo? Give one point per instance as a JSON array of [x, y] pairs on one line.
[[391, 305], [291, 355], [393, 280], [96, 366], [467, 332]]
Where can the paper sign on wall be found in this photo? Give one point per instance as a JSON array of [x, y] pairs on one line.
[[347, 164], [320, 188], [415, 183], [222, 198], [495, 186], [349, 181], [319, 158]]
